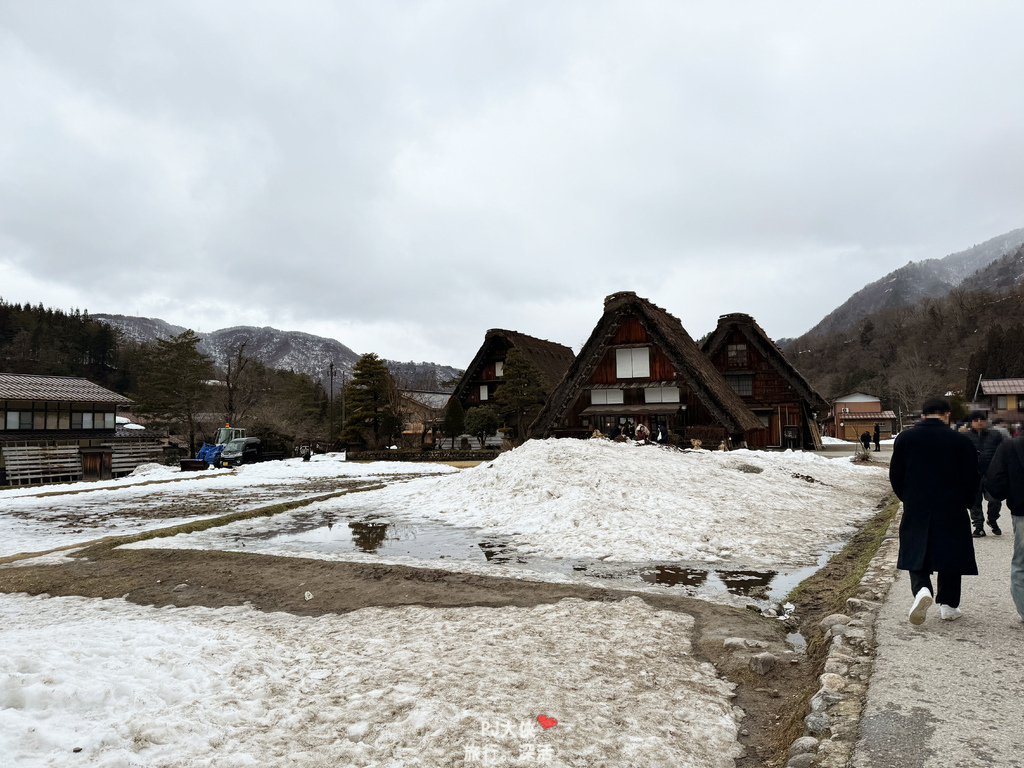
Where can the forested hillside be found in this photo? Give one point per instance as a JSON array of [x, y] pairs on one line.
[[932, 347], [50, 342]]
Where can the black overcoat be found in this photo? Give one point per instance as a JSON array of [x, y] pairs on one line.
[[934, 471]]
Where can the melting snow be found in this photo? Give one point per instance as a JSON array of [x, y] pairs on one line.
[[406, 686]]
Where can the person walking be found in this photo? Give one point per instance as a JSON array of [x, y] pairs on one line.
[[934, 472], [878, 438], [865, 440], [986, 441], [1005, 480]]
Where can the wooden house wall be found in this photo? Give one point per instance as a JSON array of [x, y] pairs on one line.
[[497, 349], [771, 395], [768, 386]]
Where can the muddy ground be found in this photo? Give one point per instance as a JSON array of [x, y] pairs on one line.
[[774, 703]]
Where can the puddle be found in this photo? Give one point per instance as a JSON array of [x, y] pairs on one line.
[[426, 540]]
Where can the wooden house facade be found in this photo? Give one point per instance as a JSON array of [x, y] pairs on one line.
[[756, 370], [64, 428], [1002, 398], [857, 413], [640, 366], [484, 375]]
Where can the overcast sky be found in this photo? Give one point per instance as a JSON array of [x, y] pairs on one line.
[[402, 176]]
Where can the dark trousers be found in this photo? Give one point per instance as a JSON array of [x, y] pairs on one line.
[[994, 505], [948, 584]]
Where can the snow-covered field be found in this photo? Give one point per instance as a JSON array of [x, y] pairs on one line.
[[410, 686], [601, 500], [36, 518]]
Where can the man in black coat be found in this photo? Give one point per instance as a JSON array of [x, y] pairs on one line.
[[1005, 480], [985, 442], [934, 472]]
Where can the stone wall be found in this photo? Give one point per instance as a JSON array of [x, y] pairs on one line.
[[434, 456]]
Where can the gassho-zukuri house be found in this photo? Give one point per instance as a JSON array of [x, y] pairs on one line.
[[640, 366], [64, 428], [756, 370], [483, 376]]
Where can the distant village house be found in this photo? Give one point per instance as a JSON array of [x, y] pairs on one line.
[[854, 414]]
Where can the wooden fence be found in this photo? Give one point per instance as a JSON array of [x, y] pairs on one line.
[[42, 463], [127, 456]]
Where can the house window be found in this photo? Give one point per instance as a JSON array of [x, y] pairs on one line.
[[483, 392], [661, 395], [109, 422], [13, 420], [737, 355], [633, 363], [1001, 402], [606, 397], [499, 369], [741, 385], [25, 422]]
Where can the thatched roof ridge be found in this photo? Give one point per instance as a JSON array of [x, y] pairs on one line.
[[692, 367], [549, 357], [760, 341]]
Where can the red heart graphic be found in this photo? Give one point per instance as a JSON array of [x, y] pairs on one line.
[[546, 722]]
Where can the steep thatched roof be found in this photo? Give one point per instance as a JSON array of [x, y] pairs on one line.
[[549, 357], [692, 367], [759, 340]]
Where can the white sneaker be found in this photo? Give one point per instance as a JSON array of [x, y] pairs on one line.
[[919, 610], [949, 613]]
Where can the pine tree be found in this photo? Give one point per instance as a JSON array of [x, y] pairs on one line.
[[172, 384], [454, 423], [521, 392], [373, 403]]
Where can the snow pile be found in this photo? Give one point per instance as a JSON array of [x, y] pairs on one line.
[[606, 500], [37, 518], [408, 686]]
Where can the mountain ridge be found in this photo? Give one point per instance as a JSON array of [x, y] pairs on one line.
[[289, 350], [917, 280]]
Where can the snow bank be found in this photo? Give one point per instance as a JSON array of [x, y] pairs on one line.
[[407, 686], [619, 501]]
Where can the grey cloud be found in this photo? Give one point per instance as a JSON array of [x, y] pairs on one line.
[[429, 170]]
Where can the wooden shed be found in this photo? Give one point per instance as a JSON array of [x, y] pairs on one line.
[[640, 366], [756, 370]]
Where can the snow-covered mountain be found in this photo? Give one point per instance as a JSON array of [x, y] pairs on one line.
[[917, 280], [287, 350]]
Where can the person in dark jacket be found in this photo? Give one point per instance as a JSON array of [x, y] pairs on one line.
[[985, 442], [1005, 480], [877, 437], [865, 440], [934, 472]]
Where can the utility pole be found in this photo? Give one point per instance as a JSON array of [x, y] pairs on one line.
[[330, 435]]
